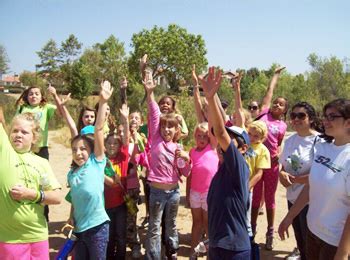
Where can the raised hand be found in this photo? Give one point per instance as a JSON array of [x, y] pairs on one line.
[[124, 111], [279, 69], [123, 83], [143, 63], [212, 83], [65, 99], [236, 80], [148, 82], [106, 90], [52, 90], [194, 76]]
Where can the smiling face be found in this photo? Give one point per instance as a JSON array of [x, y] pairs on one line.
[[279, 107], [21, 135], [300, 120], [166, 105], [88, 117], [168, 131], [335, 124], [254, 136], [202, 138], [80, 152], [34, 97], [135, 120], [253, 108], [112, 145]]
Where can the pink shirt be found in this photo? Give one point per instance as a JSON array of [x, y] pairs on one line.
[[204, 167], [163, 168], [276, 131]]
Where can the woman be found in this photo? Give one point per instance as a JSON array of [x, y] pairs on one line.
[[296, 160], [328, 192]]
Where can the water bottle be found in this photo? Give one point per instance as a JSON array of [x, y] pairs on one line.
[[202, 247], [180, 162], [66, 248]]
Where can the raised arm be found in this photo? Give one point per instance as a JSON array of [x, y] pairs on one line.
[[123, 87], [197, 97], [124, 114], [269, 93], [105, 94], [236, 85], [210, 87]]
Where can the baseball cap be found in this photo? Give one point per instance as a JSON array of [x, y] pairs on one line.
[[90, 129], [240, 132]]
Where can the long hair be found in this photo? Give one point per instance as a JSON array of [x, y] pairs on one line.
[[315, 122], [88, 140], [23, 98], [80, 119]]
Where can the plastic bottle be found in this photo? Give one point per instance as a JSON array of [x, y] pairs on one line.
[[180, 162], [66, 248], [202, 247]]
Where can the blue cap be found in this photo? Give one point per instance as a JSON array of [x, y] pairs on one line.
[[239, 132], [90, 129]]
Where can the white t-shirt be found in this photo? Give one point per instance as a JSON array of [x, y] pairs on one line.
[[329, 204], [296, 159]]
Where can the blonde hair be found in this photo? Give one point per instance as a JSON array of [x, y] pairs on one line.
[[36, 130], [260, 127], [247, 117], [202, 126]]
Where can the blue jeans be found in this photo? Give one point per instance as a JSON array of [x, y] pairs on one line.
[[92, 243], [300, 230], [217, 253], [117, 232], [167, 201]]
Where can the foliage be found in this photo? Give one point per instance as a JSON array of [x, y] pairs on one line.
[[82, 84], [70, 49], [4, 60], [28, 78]]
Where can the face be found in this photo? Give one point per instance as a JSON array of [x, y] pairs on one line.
[[21, 135], [335, 124], [278, 106], [168, 132], [88, 117], [299, 119], [34, 97], [254, 136], [108, 111], [166, 105], [81, 152], [135, 120], [202, 138], [253, 108], [120, 131], [112, 146]]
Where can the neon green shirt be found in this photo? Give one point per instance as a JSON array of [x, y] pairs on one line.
[[22, 222], [44, 114]]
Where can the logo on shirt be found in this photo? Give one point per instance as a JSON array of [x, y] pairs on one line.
[[327, 162], [294, 161], [274, 129]]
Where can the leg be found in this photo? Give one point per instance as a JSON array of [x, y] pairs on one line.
[[120, 231], [97, 240], [257, 194], [112, 233], [197, 224]]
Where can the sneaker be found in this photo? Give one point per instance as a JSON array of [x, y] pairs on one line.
[[269, 242], [295, 255], [136, 252]]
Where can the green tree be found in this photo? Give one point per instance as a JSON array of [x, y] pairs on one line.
[[28, 78], [82, 84], [4, 60], [70, 49], [171, 52]]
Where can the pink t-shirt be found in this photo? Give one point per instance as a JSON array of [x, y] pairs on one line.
[[276, 131], [162, 164], [204, 167]]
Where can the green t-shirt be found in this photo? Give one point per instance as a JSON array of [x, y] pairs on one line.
[[22, 222], [43, 114]]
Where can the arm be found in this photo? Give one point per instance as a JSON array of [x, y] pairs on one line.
[[123, 86], [188, 188], [236, 85], [124, 113], [255, 178], [269, 93], [105, 94], [197, 97], [210, 87], [20, 192], [343, 250]]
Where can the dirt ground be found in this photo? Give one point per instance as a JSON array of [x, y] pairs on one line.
[[60, 158]]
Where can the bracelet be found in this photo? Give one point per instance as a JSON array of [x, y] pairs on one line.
[[37, 198], [42, 197]]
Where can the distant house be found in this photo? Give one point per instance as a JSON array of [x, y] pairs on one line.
[[11, 83]]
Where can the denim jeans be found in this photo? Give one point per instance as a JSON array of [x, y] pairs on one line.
[[217, 253], [300, 229], [166, 201], [92, 243], [117, 232]]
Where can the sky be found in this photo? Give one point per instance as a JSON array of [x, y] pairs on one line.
[[237, 33]]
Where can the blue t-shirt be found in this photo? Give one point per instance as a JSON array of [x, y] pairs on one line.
[[228, 203], [86, 190]]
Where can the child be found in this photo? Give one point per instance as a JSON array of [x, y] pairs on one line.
[[228, 195], [163, 176], [86, 179], [273, 117], [27, 184], [204, 160]]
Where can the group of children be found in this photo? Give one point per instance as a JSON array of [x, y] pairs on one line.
[[236, 162]]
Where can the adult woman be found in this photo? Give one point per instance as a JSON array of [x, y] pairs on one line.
[[296, 160], [254, 108], [328, 192]]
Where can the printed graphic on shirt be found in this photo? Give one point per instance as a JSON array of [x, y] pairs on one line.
[[327, 162], [274, 129], [294, 161]]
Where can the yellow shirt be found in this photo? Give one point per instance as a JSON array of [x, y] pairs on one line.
[[257, 157]]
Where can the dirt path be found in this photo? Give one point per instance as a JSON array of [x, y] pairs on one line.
[[60, 159]]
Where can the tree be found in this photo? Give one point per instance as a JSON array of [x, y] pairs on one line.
[[82, 84], [70, 49], [171, 53], [28, 78], [4, 60]]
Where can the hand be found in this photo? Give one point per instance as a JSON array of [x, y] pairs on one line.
[[66, 99], [283, 227], [182, 154], [212, 83], [70, 223], [124, 111], [106, 90], [148, 82], [52, 90], [143, 63], [194, 76], [286, 179], [279, 69], [123, 83], [20, 192], [236, 80]]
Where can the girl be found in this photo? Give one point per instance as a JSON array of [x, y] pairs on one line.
[[204, 166], [27, 184], [254, 108], [296, 160], [276, 129], [328, 217], [163, 176], [86, 179]]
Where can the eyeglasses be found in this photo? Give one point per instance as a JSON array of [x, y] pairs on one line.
[[299, 115], [330, 117], [253, 107]]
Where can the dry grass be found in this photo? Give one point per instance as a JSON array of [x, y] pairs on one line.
[[61, 136]]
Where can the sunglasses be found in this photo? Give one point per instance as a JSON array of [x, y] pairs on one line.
[[330, 117], [299, 115], [253, 107]]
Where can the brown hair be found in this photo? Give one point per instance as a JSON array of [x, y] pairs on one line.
[[172, 121], [80, 120], [23, 98]]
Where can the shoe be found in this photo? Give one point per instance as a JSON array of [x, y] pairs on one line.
[[261, 211], [295, 255], [136, 252], [269, 242]]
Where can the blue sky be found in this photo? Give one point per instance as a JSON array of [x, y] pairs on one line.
[[238, 34]]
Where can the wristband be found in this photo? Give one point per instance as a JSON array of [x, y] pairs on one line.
[[37, 198], [42, 197]]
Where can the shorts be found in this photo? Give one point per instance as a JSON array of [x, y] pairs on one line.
[[198, 200], [25, 251]]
